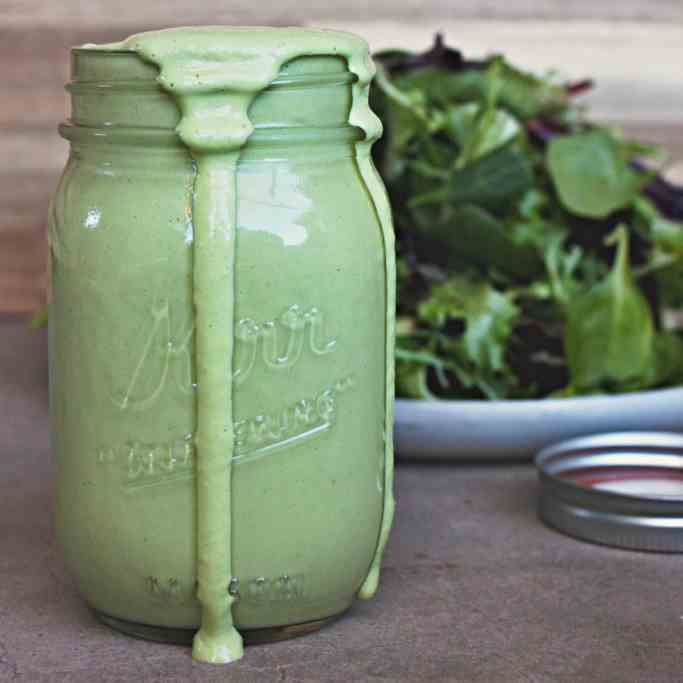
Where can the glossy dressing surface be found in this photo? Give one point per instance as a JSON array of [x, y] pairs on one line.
[[215, 75]]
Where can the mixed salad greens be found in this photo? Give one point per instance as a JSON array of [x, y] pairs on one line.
[[538, 255]]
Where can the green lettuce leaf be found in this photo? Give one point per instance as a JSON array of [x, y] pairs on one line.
[[609, 338], [591, 173], [471, 234], [488, 316], [492, 182]]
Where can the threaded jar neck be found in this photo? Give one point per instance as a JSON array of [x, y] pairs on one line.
[[115, 98]]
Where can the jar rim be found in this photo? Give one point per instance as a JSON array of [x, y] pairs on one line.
[[100, 79], [310, 80], [298, 78]]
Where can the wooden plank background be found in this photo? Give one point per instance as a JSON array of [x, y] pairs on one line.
[[634, 49]]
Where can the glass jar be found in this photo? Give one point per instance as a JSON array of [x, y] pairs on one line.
[[309, 364]]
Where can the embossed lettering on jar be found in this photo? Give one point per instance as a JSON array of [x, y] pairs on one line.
[[313, 296]]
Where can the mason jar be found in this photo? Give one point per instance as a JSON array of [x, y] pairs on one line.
[[309, 366]]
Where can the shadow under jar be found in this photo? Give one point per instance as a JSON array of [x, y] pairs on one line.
[[309, 362]]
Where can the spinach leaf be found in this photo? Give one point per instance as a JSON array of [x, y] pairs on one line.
[[492, 182], [591, 173], [471, 234], [478, 130], [609, 337]]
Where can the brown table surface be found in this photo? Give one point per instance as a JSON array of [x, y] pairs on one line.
[[473, 589]]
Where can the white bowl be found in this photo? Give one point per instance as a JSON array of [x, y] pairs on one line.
[[516, 430]]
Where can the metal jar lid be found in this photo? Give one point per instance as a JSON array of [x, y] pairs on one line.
[[622, 489]]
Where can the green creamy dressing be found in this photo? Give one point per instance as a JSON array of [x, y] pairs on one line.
[[214, 74]]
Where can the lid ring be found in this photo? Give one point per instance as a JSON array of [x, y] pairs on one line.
[[620, 489]]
